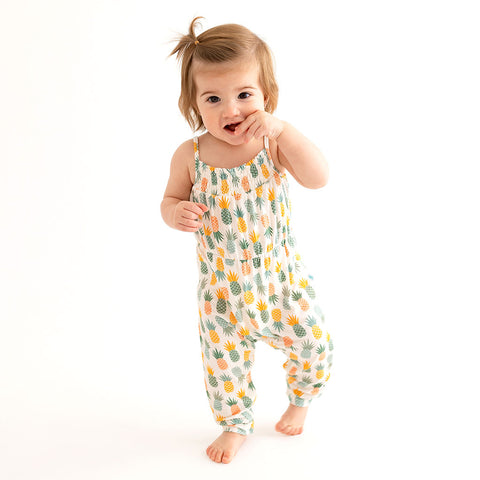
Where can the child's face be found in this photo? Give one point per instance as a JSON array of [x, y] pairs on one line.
[[227, 94]]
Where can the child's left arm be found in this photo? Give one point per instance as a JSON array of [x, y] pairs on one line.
[[296, 153]]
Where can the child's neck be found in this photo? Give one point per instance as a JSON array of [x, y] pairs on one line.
[[218, 153]]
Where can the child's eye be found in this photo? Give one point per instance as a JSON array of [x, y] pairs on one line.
[[213, 99], [244, 95]]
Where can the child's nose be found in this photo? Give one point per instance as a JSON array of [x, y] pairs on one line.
[[231, 109]]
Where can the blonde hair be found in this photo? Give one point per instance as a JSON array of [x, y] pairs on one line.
[[221, 44]]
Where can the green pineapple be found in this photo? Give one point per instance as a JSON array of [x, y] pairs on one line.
[[212, 380], [247, 401], [262, 306], [231, 237], [305, 382], [208, 236], [257, 246], [258, 281], [297, 328], [230, 347], [203, 265], [253, 170], [237, 371], [224, 203], [253, 216], [281, 274], [303, 283], [228, 327], [307, 349], [286, 297], [214, 177], [217, 404], [221, 302], [234, 285]]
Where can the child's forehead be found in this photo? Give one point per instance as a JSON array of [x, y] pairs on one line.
[[241, 66]]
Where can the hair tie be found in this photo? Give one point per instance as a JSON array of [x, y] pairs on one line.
[[196, 42]]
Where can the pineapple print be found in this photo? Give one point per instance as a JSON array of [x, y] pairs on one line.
[[213, 334], [239, 213], [320, 371], [253, 286], [233, 404], [308, 288], [271, 198], [218, 355], [297, 328], [316, 330], [225, 187], [212, 380], [226, 215], [248, 295], [297, 297], [262, 307], [234, 285], [307, 349], [207, 306], [218, 400], [227, 383], [247, 401], [231, 238], [230, 348], [221, 301]]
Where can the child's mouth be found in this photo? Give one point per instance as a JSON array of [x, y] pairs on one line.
[[231, 126]]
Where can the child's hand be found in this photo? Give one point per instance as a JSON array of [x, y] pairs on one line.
[[188, 214], [259, 124]]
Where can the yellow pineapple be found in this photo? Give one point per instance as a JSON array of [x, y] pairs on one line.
[[276, 314], [316, 330], [213, 334], [248, 295], [227, 383], [225, 186]]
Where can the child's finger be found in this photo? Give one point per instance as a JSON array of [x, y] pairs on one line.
[[245, 125], [196, 208]]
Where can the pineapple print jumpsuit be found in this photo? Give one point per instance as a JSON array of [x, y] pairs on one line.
[[253, 286]]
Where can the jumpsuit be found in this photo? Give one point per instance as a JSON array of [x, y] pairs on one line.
[[253, 286]]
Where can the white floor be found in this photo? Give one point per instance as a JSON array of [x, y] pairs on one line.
[[360, 428]]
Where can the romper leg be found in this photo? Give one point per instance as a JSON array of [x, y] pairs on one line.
[[228, 357], [308, 346]]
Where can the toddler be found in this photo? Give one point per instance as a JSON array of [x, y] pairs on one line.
[[229, 187]]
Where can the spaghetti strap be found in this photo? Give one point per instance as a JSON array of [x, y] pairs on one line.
[[265, 142]]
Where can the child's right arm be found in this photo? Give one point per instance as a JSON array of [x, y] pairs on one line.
[[177, 211]]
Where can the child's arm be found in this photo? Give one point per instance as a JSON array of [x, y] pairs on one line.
[[177, 211], [296, 153], [302, 158]]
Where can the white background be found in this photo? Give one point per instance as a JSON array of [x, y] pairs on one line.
[[100, 366]]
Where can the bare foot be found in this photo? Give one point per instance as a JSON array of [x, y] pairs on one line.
[[292, 420], [225, 447]]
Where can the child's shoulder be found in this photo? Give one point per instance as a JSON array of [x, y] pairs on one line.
[[184, 158]]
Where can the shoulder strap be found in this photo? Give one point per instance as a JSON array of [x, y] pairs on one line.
[[265, 142]]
